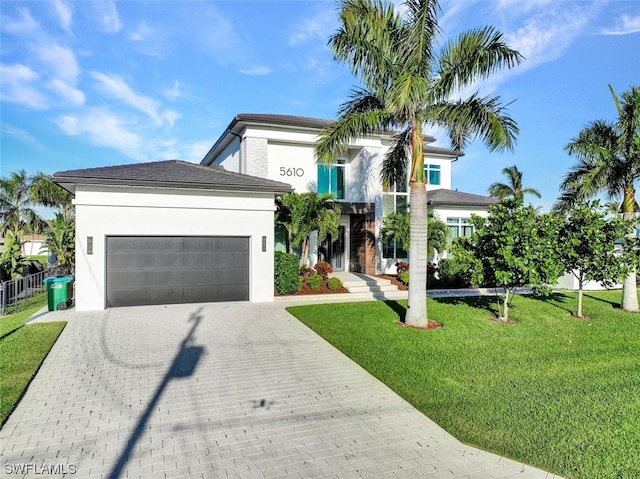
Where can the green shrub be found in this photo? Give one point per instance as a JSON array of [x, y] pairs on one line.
[[404, 277], [450, 275], [285, 273], [315, 281], [334, 284]]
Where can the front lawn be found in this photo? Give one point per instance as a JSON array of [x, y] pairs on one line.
[[553, 391], [22, 351]]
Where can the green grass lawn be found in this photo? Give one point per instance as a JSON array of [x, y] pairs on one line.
[[553, 391], [22, 350]]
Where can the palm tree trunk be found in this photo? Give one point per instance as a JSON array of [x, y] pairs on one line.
[[629, 287], [417, 305]]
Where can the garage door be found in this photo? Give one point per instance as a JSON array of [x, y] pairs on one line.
[[167, 270]]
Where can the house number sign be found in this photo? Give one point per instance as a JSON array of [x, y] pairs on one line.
[[291, 171]]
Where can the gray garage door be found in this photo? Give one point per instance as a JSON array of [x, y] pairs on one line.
[[176, 269]]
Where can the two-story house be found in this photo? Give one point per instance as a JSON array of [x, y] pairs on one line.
[[282, 148]]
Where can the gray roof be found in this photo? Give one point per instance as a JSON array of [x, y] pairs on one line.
[[457, 198], [169, 174], [242, 119]]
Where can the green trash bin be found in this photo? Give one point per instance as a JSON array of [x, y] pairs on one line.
[[59, 292]]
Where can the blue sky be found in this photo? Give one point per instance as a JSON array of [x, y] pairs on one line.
[[97, 83]]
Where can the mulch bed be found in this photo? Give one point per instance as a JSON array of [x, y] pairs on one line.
[[308, 291], [431, 324]]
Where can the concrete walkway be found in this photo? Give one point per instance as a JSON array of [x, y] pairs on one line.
[[226, 390]]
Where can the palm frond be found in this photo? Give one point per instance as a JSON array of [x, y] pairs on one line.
[[474, 55]]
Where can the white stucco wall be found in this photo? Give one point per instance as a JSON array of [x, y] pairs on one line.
[[105, 211]]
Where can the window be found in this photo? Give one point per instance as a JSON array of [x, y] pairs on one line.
[[331, 178], [459, 227], [432, 174], [394, 200]]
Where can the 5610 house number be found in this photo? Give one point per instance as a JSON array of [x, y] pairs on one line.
[[291, 171]]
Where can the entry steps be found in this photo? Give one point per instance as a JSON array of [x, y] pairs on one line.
[[358, 283]]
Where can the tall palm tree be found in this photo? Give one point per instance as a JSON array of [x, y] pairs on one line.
[[513, 188], [17, 203], [408, 84], [608, 155]]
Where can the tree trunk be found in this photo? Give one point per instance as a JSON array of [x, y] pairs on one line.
[[417, 304], [579, 314], [629, 287], [505, 309]]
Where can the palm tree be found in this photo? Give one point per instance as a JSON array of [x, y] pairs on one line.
[[608, 155], [513, 188], [303, 213], [16, 204], [395, 227], [406, 85]]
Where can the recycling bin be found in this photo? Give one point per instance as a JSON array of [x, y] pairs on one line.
[[59, 292]]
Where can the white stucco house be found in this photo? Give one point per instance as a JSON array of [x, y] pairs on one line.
[[282, 148], [171, 232]]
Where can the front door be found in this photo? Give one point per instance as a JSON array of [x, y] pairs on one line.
[[334, 250]]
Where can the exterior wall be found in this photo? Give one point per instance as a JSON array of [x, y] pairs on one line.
[[230, 157], [288, 154], [569, 281], [104, 211], [34, 247]]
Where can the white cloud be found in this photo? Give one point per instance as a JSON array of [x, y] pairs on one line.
[[115, 87], [107, 16], [21, 135], [18, 87], [54, 66], [170, 117], [625, 25], [102, 128], [256, 71], [173, 93], [318, 27], [65, 14], [74, 96]]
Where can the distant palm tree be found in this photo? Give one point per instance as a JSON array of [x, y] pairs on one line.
[[608, 156], [409, 83], [395, 226], [17, 201], [513, 188]]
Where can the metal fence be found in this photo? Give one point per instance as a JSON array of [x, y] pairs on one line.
[[13, 292]]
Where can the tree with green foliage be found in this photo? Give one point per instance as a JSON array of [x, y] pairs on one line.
[[395, 227], [303, 213], [513, 188], [12, 261], [407, 84], [587, 251], [60, 239], [608, 155], [512, 248], [17, 201]]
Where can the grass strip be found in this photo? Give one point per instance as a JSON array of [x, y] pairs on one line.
[[553, 391], [25, 310], [21, 355]]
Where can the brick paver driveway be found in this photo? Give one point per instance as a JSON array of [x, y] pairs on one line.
[[215, 391]]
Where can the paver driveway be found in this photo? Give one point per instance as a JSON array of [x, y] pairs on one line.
[[215, 391]]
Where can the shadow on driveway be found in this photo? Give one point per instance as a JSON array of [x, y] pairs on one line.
[[183, 365]]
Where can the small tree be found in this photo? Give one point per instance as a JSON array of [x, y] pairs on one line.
[[303, 213], [587, 247], [395, 226], [512, 248], [11, 260], [60, 239]]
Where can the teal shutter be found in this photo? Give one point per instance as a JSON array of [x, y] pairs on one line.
[[323, 179]]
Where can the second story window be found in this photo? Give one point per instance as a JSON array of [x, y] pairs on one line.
[[432, 174], [331, 178]]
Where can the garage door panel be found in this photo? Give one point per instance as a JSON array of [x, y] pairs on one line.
[[164, 270]]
